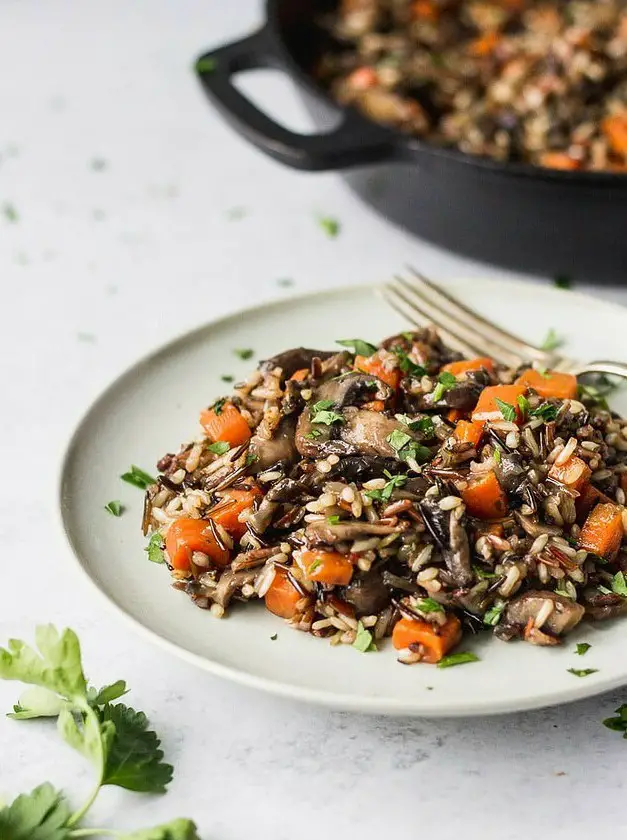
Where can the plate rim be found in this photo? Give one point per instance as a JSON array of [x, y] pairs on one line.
[[318, 697]]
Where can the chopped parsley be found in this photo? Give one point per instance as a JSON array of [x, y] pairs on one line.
[[155, 548], [493, 615], [429, 605], [497, 456], [457, 659], [363, 640], [398, 439], [424, 424], [484, 574], [315, 564], [115, 508], [333, 520], [220, 447], [274, 637], [206, 64], [385, 493], [323, 414], [313, 434], [10, 213], [406, 364], [618, 723], [561, 589], [408, 336], [446, 381], [406, 448], [582, 672], [218, 405], [582, 647], [563, 281], [619, 585], [138, 478], [251, 458], [551, 341], [329, 225], [507, 410], [546, 411], [226, 377], [285, 282], [360, 347], [243, 353]]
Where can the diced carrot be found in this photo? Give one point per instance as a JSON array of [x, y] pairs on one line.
[[299, 375], [435, 639], [363, 78], [374, 405], [558, 160], [453, 415], [282, 596], [328, 567], [487, 408], [231, 505], [425, 10], [374, 365], [467, 432], [615, 129], [562, 386], [574, 473], [602, 532], [187, 535], [588, 497], [485, 44], [466, 365], [225, 424], [484, 497]]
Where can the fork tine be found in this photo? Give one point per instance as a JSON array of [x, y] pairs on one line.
[[451, 327], [459, 311], [411, 312]]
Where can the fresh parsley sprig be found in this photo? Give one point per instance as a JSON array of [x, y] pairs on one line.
[[114, 737]]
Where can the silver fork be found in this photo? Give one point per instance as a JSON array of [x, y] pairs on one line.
[[421, 301]]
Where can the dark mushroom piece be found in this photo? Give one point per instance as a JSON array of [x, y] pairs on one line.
[[363, 467], [448, 531], [279, 451], [292, 360], [601, 606], [367, 593], [565, 613], [284, 491], [322, 531], [368, 432], [511, 473], [230, 583]]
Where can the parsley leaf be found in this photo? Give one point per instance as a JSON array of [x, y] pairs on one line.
[[523, 404], [457, 659], [10, 213], [226, 377], [329, 225], [251, 457], [364, 640], [333, 520], [446, 381], [398, 439], [492, 616], [180, 829], [206, 64], [484, 574], [285, 282], [220, 447], [582, 647], [313, 434], [243, 352], [41, 814], [360, 348], [321, 413], [507, 410], [551, 341], [36, 702], [385, 493], [274, 637], [106, 694], [155, 547], [582, 672], [618, 723], [429, 605], [115, 508], [497, 456], [138, 478], [563, 281], [406, 364], [619, 585], [546, 411], [217, 406], [406, 448]]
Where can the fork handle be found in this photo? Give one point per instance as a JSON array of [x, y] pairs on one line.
[[611, 368]]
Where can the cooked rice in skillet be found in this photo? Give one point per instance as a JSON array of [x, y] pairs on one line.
[[402, 492]]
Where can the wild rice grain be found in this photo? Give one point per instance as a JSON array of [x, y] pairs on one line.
[[566, 452], [449, 502], [539, 544]]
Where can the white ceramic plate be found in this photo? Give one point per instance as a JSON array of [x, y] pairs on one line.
[[154, 406]]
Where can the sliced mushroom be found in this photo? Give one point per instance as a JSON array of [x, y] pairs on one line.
[[457, 556], [292, 360], [279, 451], [367, 593], [564, 615], [231, 582], [363, 467], [511, 472], [284, 491], [600, 606], [322, 531], [351, 389], [367, 432]]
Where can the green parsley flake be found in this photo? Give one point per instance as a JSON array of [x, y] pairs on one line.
[[115, 508], [619, 585], [360, 347], [385, 493], [274, 637], [322, 414], [220, 447], [551, 341], [493, 615], [251, 458], [363, 640], [313, 434], [10, 213], [398, 439], [446, 381], [457, 659], [497, 456], [406, 364], [284, 282], [582, 647], [333, 520], [507, 410], [138, 478], [315, 564], [206, 64], [226, 377], [218, 405], [155, 548], [523, 404], [329, 225], [243, 353], [484, 574], [546, 411], [563, 281], [618, 723], [582, 672], [429, 605]]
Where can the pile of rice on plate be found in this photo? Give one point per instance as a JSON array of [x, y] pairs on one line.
[[400, 490]]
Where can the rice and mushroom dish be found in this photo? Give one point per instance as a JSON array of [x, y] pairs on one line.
[[538, 81], [400, 490]]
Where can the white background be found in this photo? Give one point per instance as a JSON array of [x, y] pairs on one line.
[[104, 264]]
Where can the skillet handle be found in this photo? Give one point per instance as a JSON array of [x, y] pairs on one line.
[[354, 142]]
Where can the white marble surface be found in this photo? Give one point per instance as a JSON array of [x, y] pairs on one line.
[[100, 266]]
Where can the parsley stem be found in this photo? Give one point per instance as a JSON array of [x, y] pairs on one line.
[[78, 815], [94, 832]]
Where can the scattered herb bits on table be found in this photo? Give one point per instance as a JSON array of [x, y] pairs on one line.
[[399, 490]]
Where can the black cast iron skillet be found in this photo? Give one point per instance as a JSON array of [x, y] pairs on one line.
[[539, 220]]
